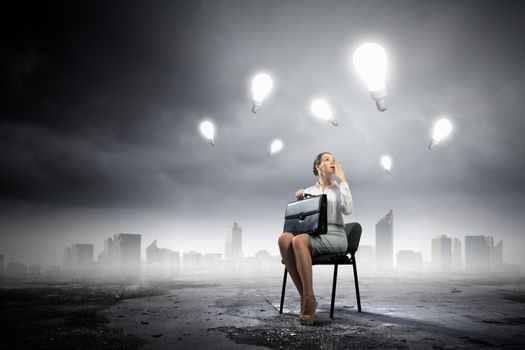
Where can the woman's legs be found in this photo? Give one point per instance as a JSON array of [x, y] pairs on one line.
[[303, 260], [287, 253]]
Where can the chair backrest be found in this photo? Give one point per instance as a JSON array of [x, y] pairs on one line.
[[353, 234]]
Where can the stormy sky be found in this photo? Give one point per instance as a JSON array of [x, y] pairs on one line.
[[101, 102]]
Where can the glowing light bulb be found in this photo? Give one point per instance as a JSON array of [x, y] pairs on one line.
[[208, 131], [442, 129], [261, 86], [386, 163], [370, 61], [276, 146], [321, 109]]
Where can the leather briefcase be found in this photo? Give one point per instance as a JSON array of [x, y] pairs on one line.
[[307, 215]]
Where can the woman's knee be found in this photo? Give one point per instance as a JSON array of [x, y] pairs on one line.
[[300, 241], [285, 239]]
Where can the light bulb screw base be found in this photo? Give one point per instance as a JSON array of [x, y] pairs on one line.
[[333, 122], [255, 107], [212, 142], [432, 144], [380, 97]]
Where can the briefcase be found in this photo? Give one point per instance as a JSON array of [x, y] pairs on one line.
[[307, 215]]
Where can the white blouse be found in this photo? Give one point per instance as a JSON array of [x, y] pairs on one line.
[[339, 201]]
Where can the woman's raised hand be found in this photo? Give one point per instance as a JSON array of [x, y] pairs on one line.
[[299, 194], [339, 172]]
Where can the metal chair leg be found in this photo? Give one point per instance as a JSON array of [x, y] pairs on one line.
[[334, 284], [357, 287], [284, 289]]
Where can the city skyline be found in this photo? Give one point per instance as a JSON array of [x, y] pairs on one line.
[[124, 253]]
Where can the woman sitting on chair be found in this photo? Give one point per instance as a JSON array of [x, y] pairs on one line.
[[297, 251]]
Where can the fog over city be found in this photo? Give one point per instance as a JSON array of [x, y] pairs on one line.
[[101, 104]]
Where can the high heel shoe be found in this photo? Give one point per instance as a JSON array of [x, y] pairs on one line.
[[308, 316]]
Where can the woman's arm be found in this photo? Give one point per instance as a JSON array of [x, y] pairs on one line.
[[345, 202]]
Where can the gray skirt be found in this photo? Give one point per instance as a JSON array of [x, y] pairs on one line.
[[334, 241]]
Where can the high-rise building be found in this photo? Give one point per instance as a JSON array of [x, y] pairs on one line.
[[106, 258], [162, 258], [212, 260], [126, 252], [78, 257], [478, 254], [233, 245], [409, 260], [191, 261], [498, 254], [385, 242], [262, 255], [153, 254], [67, 260], [83, 255], [34, 269], [442, 253], [14, 268], [457, 261]]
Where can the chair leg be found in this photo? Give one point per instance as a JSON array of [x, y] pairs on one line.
[[284, 289], [357, 287], [334, 284]]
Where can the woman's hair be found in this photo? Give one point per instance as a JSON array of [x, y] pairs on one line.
[[317, 161]]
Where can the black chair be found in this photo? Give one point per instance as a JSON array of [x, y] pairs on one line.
[[353, 234]]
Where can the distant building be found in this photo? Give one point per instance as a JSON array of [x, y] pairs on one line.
[[66, 259], [162, 258], [54, 271], [502, 268], [442, 253], [34, 270], [262, 255], [265, 262], [212, 260], [78, 257], [497, 258], [1, 263], [508, 270], [191, 261], [14, 268], [233, 245], [409, 260], [385, 242], [227, 250], [126, 252], [83, 255], [478, 254], [153, 254], [457, 259], [105, 257]]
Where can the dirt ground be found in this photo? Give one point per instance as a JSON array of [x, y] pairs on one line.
[[43, 314], [215, 313], [397, 314]]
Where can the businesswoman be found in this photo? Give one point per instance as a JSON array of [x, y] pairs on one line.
[[297, 251]]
